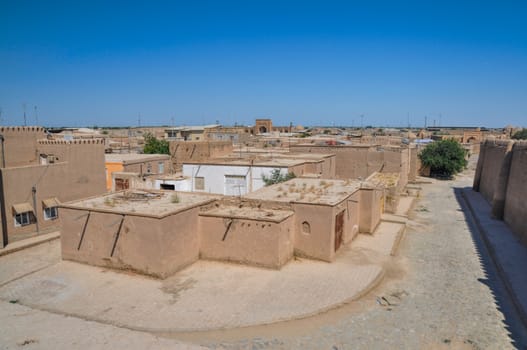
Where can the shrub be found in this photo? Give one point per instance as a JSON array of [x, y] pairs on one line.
[[155, 146], [520, 135], [445, 158], [277, 177]]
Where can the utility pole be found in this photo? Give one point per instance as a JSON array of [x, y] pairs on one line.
[[24, 107], [36, 116]]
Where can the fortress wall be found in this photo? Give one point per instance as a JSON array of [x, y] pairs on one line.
[[500, 177], [515, 199]]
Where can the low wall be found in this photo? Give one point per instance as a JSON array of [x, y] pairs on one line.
[[154, 246], [253, 242], [500, 177]]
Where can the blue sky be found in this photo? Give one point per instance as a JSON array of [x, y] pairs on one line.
[[310, 63]]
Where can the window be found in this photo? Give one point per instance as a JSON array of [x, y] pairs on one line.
[[199, 183], [51, 213], [160, 168], [306, 228], [149, 168], [22, 219], [168, 187]]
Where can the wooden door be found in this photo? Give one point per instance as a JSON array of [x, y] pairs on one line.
[[339, 229]]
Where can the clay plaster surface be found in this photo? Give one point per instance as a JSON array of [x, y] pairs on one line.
[[142, 202], [308, 191]]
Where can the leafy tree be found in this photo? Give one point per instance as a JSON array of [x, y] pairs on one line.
[[155, 146], [520, 135], [277, 177], [445, 158]]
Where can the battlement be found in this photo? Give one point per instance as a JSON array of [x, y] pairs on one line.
[[72, 142], [20, 129]]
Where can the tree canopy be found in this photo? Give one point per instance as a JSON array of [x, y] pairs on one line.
[[155, 146], [277, 177], [520, 135], [445, 158]]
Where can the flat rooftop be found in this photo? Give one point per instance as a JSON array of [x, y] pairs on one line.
[[265, 162], [301, 190], [265, 159], [383, 179], [133, 157], [149, 203], [250, 213]]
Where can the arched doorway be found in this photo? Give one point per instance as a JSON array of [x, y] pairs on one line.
[[263, 129]]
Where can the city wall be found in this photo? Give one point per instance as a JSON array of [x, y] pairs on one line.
[[500, 177]]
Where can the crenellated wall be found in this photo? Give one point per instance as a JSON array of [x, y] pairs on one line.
[[19, 145], [500, 177], [39, 170]]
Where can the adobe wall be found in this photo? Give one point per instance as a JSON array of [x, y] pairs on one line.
[[18, 183], [86, 166], [371, 208], [317, 242], [152, 246], [153, 165], [20, 145], [352, 162], [253, 242], [488, 168], [78, 172], [515, 212], [500, 177], [183, 151]]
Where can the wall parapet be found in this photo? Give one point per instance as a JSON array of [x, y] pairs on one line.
[[72, 142], [17, 129]]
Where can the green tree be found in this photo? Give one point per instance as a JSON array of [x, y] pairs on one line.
[[520, 135], [155, 146], [277, 177], [445, 158]]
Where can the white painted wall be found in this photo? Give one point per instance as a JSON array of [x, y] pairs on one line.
[[179, 185], [215, 180]]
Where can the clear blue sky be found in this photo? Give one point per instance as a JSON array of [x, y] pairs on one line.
[[311, 63]]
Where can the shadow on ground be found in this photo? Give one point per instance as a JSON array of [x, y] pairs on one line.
[[512, 321]]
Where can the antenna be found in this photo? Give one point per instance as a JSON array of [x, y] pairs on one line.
[[36, 116], [139, 120], [24, 107]]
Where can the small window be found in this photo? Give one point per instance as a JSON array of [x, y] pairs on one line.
[[51, 213], [168, 187], [160, 168], [149, 168], [23, 219], [199, 183], [306, 228]]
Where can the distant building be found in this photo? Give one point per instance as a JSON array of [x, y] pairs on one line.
[[143, 164]]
